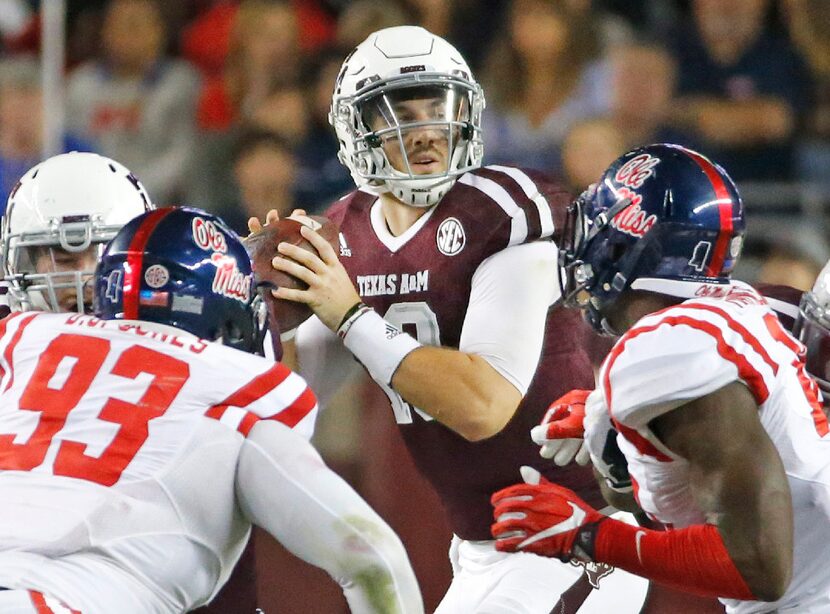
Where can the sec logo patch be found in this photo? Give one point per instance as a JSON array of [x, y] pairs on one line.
[[450, 237], [156, 276]]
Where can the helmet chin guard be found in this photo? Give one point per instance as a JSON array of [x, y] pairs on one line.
[[373, 117]]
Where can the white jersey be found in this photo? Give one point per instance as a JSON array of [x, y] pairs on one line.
[[119, 452], [695, 348]]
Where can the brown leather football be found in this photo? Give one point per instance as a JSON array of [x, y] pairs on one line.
[[262, 247]]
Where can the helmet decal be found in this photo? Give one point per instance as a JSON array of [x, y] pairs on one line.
[[207, 236], [229, 280], [183, 267]]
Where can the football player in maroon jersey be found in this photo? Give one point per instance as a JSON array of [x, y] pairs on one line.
[[441, 290]]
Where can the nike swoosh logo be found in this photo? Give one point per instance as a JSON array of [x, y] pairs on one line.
[[573, 522]]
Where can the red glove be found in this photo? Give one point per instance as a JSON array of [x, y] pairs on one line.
[[561, 432], [544, 518]]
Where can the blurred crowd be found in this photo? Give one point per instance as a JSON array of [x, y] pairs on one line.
[[223, 103]]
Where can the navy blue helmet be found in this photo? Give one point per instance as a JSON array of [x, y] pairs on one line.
[[662, 218], [183, 267]]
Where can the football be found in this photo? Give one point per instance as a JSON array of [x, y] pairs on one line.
[[262, 247]]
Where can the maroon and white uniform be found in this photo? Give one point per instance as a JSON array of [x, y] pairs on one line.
[[475, 273], [134, 458]]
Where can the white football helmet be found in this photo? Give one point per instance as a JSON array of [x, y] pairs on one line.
[[60, 210], [392, 66]]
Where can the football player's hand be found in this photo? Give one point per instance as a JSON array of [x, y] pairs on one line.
[[330, 292], [561, 433], [272, 217], [541, 517]]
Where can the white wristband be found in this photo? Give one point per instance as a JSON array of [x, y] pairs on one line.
[[379, 345]]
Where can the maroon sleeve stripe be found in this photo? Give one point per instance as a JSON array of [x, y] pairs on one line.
[[512, 187]]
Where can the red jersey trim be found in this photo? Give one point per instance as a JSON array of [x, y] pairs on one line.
[[39, 601], [739, 328], [257, 388], [7, 355], [746, 372], [3, 324]]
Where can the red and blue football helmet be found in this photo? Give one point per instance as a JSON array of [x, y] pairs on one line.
[[662, 218], [182, 267]]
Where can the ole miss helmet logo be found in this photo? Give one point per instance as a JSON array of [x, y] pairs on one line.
[[633, 220], [634, 172]]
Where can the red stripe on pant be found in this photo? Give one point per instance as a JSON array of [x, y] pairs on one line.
[[39, 601]]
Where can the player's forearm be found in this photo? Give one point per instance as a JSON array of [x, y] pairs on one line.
[[284, 487], [462, 391], [693, 559]]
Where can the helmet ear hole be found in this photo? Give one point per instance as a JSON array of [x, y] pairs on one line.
[[617, 252]]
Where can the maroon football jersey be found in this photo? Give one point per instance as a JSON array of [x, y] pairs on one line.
[[423, 287]]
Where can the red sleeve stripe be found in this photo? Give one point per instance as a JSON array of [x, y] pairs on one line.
[[808, 384], [509, 179], [135, 261], [518, 219], [725, 203], [746, 371], [233, 417], [3, 324], [243, 421], [7, 355], [42, 607], [293, 414], [258, 387], [230, 410], [739, 328]]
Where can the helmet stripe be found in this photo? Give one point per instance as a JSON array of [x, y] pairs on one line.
[[725, 203], [135, 260]]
